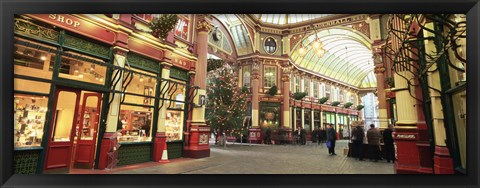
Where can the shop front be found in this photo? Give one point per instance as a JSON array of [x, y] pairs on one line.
[[65, 83]]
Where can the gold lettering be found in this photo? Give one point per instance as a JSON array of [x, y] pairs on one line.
[[69, 21], [52, 16], [61, 18], [76, 24]]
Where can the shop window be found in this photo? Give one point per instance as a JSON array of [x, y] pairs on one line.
[[174, 125], [269, 115], [246, 76], [270, 76], [30, 86], [307, 120], [316, 119], [459, 107], [33, 62], [136, 123], [176, 95], [141, 89], [79, 67], [29, 119], [315, 89], [306, 87]]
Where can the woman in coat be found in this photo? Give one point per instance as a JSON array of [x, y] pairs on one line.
[[373, 137]]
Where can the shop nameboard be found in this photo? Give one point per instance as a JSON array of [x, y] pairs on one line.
[[406, 136], [77, 25], [328, 108]]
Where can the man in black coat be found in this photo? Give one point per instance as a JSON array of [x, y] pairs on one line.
[[358, 135], [303, 136], [332, 137], [388, 141]]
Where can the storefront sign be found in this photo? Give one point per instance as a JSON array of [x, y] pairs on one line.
[[406, 136], [77, 25]]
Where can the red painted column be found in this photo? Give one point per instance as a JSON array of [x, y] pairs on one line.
[[199, 132]]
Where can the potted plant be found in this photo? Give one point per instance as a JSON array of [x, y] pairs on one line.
[[335, 103], [347, 105], [299, 95], [323, 100], [162, 25], [272, 91], [360, 107]]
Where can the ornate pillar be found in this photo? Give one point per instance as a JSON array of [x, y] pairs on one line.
[[199, 147], [160, 141], [286, 95], [255, 76], [382, 103], [109, 140]]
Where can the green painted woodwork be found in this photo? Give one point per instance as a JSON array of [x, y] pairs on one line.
[[29, 29], [175, 149], [25, 161], [134, 153], [178, 73], [86, 46], [142, 63]]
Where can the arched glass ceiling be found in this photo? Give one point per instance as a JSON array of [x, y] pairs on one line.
[[238, 31], [282, 19], [347, 58]]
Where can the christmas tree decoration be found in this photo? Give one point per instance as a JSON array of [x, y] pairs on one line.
[[162, 25], [227, 103]]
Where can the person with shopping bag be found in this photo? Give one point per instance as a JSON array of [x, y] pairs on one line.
[[331, 138]]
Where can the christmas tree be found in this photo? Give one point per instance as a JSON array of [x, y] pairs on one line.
[[226, 101]]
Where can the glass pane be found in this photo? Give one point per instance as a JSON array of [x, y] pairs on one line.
[[80, 70], [177, 93], [33, 62], [90, 118], [142, 84], [64, 116], [31, 86], [29, 119], [459, 108], [269, 116], [174, 125], [136, 123]]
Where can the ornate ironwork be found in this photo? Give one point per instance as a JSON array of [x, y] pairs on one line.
[[86, 46], [140, 62], [30, 29]]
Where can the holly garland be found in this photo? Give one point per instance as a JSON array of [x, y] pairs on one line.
[[162, 25], [227, 103]]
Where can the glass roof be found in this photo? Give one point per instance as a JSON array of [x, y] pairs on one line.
[[282, 19], [237, 30], [348, 57]]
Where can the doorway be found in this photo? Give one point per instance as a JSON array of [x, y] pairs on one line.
[[74, 129]]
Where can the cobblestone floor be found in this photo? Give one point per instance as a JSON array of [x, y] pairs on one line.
[[270, 159]]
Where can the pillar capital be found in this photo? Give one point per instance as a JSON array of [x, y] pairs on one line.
[[379, 69], [286, 77], [120, 51], [166, 65], [204, 24]]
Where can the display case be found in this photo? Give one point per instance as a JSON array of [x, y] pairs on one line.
[[136, 126], [29, 121], [174, 125]]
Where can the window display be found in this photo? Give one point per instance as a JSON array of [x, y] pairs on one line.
[[174, 125], [269, 114], [33, 62], [177, 94], [81, 70], [136, 124], [29, 121]]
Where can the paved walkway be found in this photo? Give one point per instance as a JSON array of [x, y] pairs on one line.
[[268, 159]]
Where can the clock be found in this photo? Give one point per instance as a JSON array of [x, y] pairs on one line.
[[217, 35]]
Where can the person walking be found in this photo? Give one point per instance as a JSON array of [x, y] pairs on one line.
[[331, 137], [373, 137], [268, 134], [388, 142], [358, 135], [303, 136]]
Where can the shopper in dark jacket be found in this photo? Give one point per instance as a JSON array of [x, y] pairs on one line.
[[373, 136], [388, 142], [358, 134], [303, 136], [322, 136], [332, 137]]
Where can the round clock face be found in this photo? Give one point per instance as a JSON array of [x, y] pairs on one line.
[[270, 45], [217, 35]]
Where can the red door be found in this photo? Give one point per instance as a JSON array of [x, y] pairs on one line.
[[60, 142], [87, 132]]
